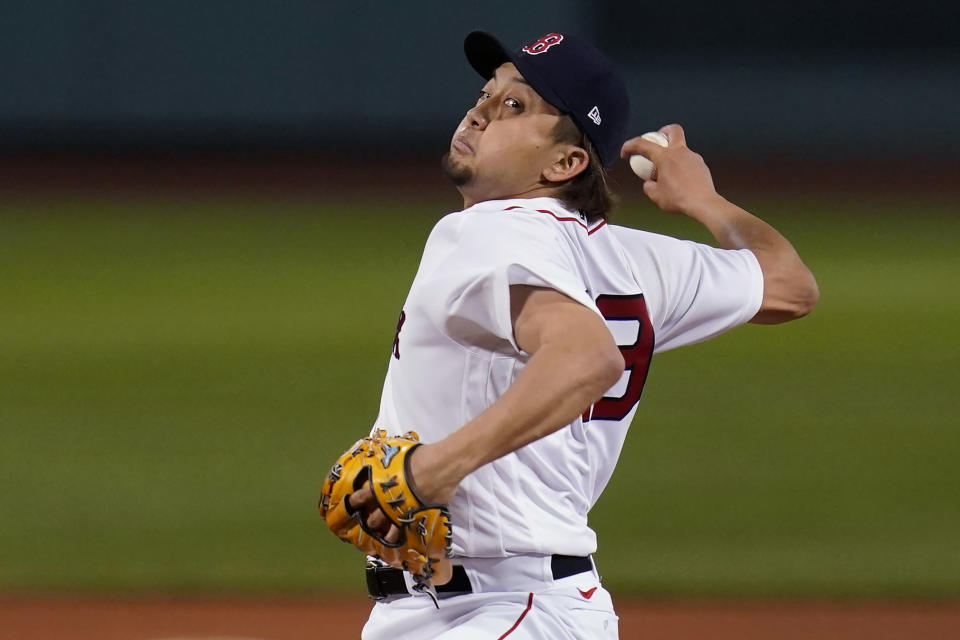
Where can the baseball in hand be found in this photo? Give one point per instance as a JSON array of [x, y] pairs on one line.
[[642, 166]]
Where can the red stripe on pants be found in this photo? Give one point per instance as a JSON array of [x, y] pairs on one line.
[[520, 619]]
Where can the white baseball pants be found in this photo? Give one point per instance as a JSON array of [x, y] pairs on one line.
[[513, 599]]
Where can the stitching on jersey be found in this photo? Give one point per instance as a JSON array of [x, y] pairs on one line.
[[562, 218], [520, 619]]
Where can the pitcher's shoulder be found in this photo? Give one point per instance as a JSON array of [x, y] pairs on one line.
[[545, 213]]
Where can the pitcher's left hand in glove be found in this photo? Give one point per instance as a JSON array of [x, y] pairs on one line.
[[368, 499]]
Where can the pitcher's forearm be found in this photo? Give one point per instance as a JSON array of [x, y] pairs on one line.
[[789, 288], [554, 388], [736, 228], [684, 185]]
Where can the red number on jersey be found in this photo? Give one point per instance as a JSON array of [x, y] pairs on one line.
[[636, 356]]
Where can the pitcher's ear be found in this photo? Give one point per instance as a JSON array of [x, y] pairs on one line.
[[571, 162]]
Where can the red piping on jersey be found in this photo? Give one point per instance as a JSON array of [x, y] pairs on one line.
[[520, 619], [563, 219], [602, 222]]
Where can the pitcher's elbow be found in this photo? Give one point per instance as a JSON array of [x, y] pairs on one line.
[[600, 370], [808, 297], [613, 367], [789, 301], [609, 367]]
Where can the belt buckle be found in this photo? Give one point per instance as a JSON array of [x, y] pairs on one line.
[[374, 584]]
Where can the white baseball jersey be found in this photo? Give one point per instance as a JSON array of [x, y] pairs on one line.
[[455, 353]]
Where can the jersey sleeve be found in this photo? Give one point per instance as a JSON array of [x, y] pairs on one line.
[[494, 251], [695, 291]]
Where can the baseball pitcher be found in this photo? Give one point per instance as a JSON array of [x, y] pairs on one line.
[[522, 351]]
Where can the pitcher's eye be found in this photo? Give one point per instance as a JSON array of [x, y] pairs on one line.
[[483, 96], [513, 103]]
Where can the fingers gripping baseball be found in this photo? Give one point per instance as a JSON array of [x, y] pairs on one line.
[[681, 180]]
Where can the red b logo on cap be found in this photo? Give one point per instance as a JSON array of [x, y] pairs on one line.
[[543, 44]]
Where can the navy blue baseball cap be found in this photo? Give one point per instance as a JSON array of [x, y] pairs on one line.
[[570, 74]]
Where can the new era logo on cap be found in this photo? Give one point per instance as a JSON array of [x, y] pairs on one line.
[[594, 115]]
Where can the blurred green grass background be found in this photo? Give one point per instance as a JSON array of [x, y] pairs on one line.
[[176, 376]]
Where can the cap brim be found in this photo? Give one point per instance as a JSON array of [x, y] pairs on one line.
[[485, 53]]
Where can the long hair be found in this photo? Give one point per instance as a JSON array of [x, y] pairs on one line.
[[588, 192]]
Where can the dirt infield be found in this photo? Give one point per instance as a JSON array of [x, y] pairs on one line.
[[88, 618]]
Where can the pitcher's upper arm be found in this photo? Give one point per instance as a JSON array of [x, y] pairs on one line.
[[545, 317]]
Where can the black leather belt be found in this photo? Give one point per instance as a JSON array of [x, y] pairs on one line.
[[387, 583]]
